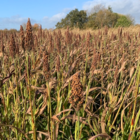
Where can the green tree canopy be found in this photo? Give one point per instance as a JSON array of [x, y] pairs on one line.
[[95, 18], [103, 18], [74, 19], [124, 21]]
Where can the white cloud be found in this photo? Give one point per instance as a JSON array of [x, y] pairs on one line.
[[46, 22], [14, 19], [50, 22], [57, 17], [119, 6], [65, 10], [14, 22], [45, 18]]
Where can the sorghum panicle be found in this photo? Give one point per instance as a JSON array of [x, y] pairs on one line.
[[76, 98]]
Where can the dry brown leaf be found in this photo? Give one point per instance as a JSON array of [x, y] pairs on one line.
[[22, 77], [122, 67], [45, 96], [104, 92], [43, 133], [122, 129], [110, 85], [131, 71], [39, 137], [1, 54], [74, 118], [40, 89], [34, 66], [6, 78], [56, 130], [103, 124], [97, 71], [12, 68], [72, 67], [55, 118], [82, 120], [66, 110], [92, 89], [73, 52], [51, 85], [42, 108], [103, 135]]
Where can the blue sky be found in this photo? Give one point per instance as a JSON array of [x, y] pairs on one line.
[[14, 13]]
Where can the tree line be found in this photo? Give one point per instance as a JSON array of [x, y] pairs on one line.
[[96, 18]]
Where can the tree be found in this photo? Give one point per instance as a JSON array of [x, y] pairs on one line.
[[130, 18], [123, 21], [110, 9], [97, 17], [91, 23], [74, 19], [95, 9], [102, 18]]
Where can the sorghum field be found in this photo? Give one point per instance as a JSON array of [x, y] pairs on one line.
[[70, 84]]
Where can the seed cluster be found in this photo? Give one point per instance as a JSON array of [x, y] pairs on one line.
[[22, 37], [76, 98], [46, 65], [29, 37], [58, 64], [2, 46], [12, 46], [95, 60], [35, 43], [40, 32]]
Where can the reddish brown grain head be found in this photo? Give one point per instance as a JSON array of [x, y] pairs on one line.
[[28, 69], [12, 46], [40, 32], [46, 65], [58, 63], [88, 40], [51, 46], [59, 34], [58, 44], [35, 43], [17, 48], [116, 75], [2, 46], [29, 36], [95, 60], [68, 37], [106, 30], [76, 98], [22, 37]]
